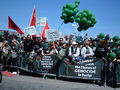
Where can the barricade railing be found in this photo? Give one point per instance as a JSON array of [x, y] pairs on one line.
[[45, 65], [89, 68], [113, 75]]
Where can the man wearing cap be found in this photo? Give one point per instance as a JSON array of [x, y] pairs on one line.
[[74, 51]]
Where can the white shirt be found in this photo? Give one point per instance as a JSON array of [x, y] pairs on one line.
[[84, 50], [76, 54]]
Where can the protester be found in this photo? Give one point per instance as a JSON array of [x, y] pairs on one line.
[[60, 43], [66, 39], [14, 52], [28, 52], [46, 49], [63, 50], [86, 37], [6, 52], [101, 50], [37, 44], [28, 44], [74, 50], [86, 51], [53, 48], [94, 45]]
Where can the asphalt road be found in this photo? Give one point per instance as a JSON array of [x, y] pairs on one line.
[[36, 83]]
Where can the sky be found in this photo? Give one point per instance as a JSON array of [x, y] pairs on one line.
[[106, 11]]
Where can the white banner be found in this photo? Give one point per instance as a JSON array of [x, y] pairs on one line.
[[52, 35], [30, 30], [41, 21]]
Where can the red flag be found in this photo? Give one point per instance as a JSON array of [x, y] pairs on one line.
[[45, 28], [12, 25], [33, 19]]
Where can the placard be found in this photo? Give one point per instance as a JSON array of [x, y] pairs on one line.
[[41, 21], [46, 63], [52, 35], [30, 30]]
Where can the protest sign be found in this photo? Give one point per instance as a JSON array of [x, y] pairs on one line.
[[52, 35], [41, 21], [87, 69], [30, 30], [48, 64]]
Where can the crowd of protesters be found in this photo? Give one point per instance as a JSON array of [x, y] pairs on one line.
[[14, 49]]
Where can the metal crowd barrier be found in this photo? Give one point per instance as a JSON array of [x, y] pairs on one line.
[[86, 69], [113, 74]]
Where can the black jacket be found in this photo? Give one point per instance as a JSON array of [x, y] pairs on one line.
[[101, 51], [28, 45]]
